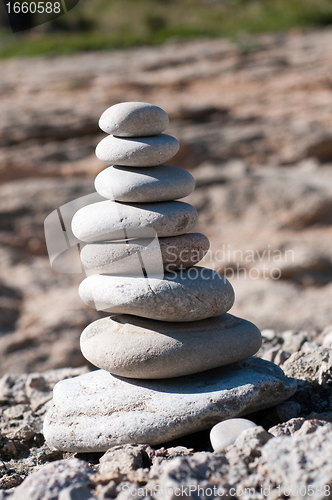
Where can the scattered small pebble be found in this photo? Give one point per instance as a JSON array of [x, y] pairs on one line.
[[226, 433]]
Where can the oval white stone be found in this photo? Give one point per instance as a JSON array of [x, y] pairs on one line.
[[110, 220], [127, 258], [143, 185], [187, 295], [226, 433], [134, 347], [133, 119], [137, 152]]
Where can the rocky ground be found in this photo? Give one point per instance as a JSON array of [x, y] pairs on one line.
[[254, 124], [289, 453]]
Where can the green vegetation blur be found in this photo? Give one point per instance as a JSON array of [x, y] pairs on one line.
[[110, 24]]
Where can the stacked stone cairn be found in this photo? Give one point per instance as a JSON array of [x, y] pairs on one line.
[[172, 361]]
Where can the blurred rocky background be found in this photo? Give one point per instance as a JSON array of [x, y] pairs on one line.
[[255, 127]]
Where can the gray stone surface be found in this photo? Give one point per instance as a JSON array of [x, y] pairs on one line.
[[76, 493], [204, 475], [246, 449], [96, 411], [48, 482], [314, 366], [142, 348], [23, 400], [138, 151], [111, 220], [226, 433], [300, 426], [142, 185], [185, 295], [127, 258], [123, 459], [124, 258], [184, 250], [301, 465], [133, 119]]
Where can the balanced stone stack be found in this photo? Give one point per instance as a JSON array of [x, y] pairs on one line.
[[172, 361]]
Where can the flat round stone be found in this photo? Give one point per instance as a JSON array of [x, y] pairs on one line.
[[133, 119], [185, 295], [226, 433], [111, 220], [144, 184], [131, 257], [96, 411], [134, 347], [137, 152]]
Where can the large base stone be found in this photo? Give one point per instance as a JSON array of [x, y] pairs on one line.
[[98, 410]]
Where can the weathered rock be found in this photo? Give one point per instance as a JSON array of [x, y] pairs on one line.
[[315, 366], [226, 433], [130, 119], [144, 185], [288, 428], [298, 427], [191, 476], [24, 400], [76, 493], [110, 220], [186, 295], [293, 340], [137, 152], [300, 465], [286, 411], [50, 480], [124, 459], [9, 481], [98, 410], [247, 446], [128, 258], [139, 348]]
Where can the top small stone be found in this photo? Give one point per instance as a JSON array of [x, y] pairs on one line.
[[133, 119]]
